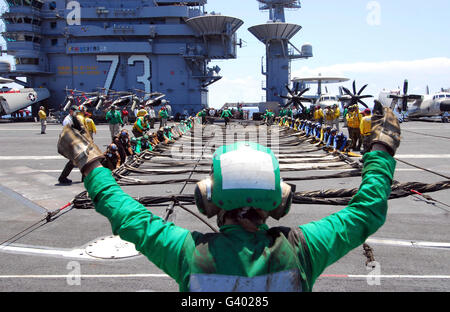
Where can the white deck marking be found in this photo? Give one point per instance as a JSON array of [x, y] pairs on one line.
[[408, 243], [31, 157], [82, 276]]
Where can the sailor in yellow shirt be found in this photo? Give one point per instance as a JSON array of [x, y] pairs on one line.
[[337, 115], [329, 116], [81, 116], [353, 124], [90, 124], [318, 114], [297, 124], [365, 129], [287, 122], [43, 119]]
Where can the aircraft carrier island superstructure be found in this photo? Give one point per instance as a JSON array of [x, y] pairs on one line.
[[90, 45]]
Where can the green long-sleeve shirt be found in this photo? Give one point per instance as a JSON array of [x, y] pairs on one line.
[[226, 113], [163, 114], [193, 258], [113, 118]]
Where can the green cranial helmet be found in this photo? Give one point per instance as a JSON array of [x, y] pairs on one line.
[[244, 174]]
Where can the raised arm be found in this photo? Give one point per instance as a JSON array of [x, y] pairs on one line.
[[331, 238], [159, 241]]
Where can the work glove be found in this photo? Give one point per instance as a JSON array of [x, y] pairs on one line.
[[76, 144], [385, 128]]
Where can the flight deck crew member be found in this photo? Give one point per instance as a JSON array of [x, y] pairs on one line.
[[329, 116], [111, 157], [68, 121], [90, 124], [122, 142], [140, 126], [365, 128], [242, 191], [164, 115], [337, 115], [152, 117], [318, 114], [125, 116], [268, 117], [43, 119], [114, 118], [226, 115], [202, 115], [353, 124]]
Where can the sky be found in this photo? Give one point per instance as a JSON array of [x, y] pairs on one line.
[[380, 43]]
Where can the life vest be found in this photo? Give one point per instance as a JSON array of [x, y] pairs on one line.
[[140, 122], [366, 125], [222, 274], [354, 120]]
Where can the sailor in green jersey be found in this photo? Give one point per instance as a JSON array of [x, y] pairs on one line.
[[243, 190], [164, 115], [202, 114], [269, 117], [226, 115], [114, 118]]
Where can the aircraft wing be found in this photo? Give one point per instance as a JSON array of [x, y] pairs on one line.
[[12, 101]]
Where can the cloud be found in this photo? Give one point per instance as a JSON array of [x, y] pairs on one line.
[[429, 66], [432, 72]]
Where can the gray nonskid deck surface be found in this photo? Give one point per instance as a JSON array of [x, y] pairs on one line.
[[30, 166]]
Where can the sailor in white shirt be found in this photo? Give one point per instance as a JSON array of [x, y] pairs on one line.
[[68, 121]]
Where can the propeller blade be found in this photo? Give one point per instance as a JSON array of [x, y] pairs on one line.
[[303, 99], [415, 97], [405, 104], [354, 86], [362, 103], [289, 90], [304, 91], [362, 89], [365, 96], [347, 91], [405, 87]]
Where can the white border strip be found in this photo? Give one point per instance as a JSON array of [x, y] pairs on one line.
[[393, 276]]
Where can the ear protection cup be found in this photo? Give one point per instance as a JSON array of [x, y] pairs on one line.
[[202, 195], [287, 193]]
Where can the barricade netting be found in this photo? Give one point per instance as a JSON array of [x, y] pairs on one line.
[[298, 158]]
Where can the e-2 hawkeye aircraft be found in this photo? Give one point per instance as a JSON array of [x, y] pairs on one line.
[[413, 106]]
